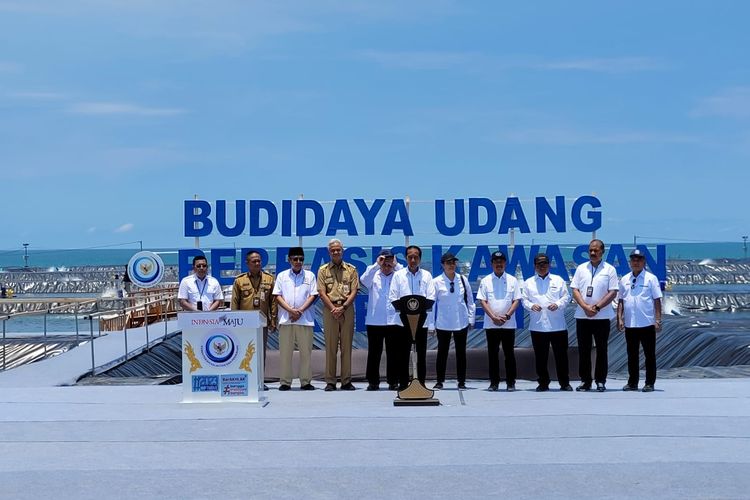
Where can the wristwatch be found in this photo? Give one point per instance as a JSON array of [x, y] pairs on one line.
[[596, 306]]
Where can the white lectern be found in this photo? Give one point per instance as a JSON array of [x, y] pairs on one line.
[[222, 356]]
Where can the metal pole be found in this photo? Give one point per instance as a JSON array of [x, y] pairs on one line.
[[125, 332], [407, 202], [512, 235], [195, 224], [301, 196], [145, 320], [75, 314], [5, 346], [593, 233], [91, 341], [45, 331], [165, 318]]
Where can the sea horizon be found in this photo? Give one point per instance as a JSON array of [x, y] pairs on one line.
[[77, 257]]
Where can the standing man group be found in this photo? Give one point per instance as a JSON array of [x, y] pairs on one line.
[[338, 284], [287, 304], [594, 285]]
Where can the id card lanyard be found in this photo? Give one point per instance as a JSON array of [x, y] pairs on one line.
[[201, 290], [590, 290]]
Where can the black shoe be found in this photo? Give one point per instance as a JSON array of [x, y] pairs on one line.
[[330, 387], [308, 387], [462, 385], [492, 387], [566, 388], [600, 387], [265, 387], [371, 387], [542, 388], [584, 387], [438, 386], [511, 388], [348, 387], [629, 387], [392, 387], [648, 388], [284, 387]]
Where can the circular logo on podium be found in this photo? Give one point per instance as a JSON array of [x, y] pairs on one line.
[[412, 304], [145, 269], [219, 348]]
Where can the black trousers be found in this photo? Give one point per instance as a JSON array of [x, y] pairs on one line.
[[506, 336], [376, 335], [559, 341], [598, 330], [634, 338], [405, 363], [444, 344]]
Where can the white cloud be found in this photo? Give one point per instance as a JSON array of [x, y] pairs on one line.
[[9, 67], [604, 64], [417, 60], [37, 95], [125, 228], [431, 60], [119, 108], [733, 102], [571, 136]]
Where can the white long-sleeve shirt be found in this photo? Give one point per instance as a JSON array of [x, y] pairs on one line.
[[545, 291], [380, 311], [407, 283]]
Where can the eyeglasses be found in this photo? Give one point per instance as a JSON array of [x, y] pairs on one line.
[[453, 287], [201, 265], [634, 280], [298, 259]]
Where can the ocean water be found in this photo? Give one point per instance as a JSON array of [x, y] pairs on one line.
[[14, 258]]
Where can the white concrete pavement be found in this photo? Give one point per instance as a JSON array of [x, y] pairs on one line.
[[689, 439]]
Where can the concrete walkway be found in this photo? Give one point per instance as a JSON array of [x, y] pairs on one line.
[[689, 439]]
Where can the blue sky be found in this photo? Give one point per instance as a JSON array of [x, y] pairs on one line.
[[114, 112]]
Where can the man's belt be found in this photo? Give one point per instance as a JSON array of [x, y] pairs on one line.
[[338, 302]]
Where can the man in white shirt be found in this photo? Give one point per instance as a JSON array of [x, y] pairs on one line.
[[295, 291], [500, 295], [383, 323], [200, 291], [452, 314], [639, 314], [413, 280], [594, 288], [545, 296]]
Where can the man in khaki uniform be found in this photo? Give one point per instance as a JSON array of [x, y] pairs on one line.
[[337, 286], [251, 291]]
